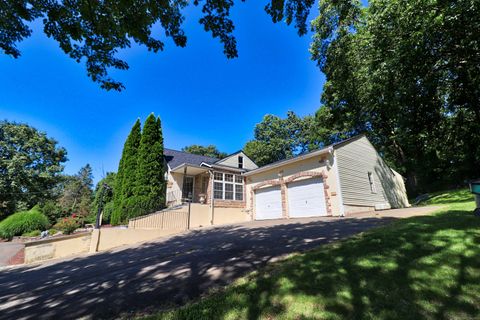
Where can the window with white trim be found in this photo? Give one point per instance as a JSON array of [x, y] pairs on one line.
[[218, 190], [227, 186], [239, 192], [371, 180]]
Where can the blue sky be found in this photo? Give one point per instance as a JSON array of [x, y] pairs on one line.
[[200, 95]]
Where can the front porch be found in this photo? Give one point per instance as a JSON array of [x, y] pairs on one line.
[[204, 185], [188, 184]]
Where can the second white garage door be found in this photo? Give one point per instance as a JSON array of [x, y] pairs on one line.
[[268, 203], [306, 198]]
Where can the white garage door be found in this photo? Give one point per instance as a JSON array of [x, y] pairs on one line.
[[306, 198], [268, 203]]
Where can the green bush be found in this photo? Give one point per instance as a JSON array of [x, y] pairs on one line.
[[52, 211], [23, 222], [107, 212], [67, 225], [34, 233]]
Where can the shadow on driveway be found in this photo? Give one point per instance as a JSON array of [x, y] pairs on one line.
[[163, 273]]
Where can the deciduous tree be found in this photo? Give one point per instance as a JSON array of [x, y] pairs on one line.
[[277, 139], [77, 194], [94, 31], [103, 196], [408, 74], [208, 151], [30, 167]]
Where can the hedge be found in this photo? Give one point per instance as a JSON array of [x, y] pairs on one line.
[[23, 222]]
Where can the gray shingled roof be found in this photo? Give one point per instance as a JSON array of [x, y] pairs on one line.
[[176, 158]]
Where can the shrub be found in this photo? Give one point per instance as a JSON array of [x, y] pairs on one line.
[[23, 222], [107, 212], [52, 211], [67, 225], [34, 233]]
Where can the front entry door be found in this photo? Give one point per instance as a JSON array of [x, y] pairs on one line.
[[187, 190]]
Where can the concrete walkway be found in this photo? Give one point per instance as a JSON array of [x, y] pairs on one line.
[[169, 271]]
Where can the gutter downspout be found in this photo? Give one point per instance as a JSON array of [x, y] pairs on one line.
[[339, 187], [212, 198]]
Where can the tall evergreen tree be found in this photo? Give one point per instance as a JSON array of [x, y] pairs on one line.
[[126, 176], [150, 187]]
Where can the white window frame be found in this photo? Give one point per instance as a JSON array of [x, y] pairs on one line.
[[371, 181], [234, 183]]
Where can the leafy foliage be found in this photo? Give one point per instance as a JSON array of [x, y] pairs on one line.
[[23, 222], [34, 233], [208, 151], [94, 31], [30, 167], [140, 182], [150, 188], [277, 139], [77, 193], [68, 225], [407, 74], [52, 210], [126, 177], [108, 195]]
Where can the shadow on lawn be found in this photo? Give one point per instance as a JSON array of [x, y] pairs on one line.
[[158, 274], [419, 269], [449, 197], [428, 268]]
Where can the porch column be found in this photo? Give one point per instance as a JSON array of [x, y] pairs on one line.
[[183, 182]]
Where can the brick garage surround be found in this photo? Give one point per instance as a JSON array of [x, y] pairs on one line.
[[283, 189]]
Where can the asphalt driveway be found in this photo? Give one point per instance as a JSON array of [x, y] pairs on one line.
[[169, 271]]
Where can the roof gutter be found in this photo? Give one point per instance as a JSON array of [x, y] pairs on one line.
[[290, 161], [186, 165]]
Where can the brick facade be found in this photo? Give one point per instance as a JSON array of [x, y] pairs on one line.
[[283, 189], [225, 203], [229, 204]]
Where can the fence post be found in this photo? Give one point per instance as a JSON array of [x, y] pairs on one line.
[[189, 212]]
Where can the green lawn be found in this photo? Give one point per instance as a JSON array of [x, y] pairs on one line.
[[416, 268], [449, 197]]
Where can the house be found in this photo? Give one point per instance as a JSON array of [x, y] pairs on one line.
[[340, 179], [190, 176]]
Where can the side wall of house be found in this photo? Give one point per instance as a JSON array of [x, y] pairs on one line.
[[303, 169], [355, 161], [232, 161]]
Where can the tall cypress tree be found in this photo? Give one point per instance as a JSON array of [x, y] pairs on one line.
[[126, 177], [150, 188], [162, 181]]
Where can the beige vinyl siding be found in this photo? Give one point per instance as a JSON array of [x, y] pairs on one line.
[[232, 161], [355, 160]]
